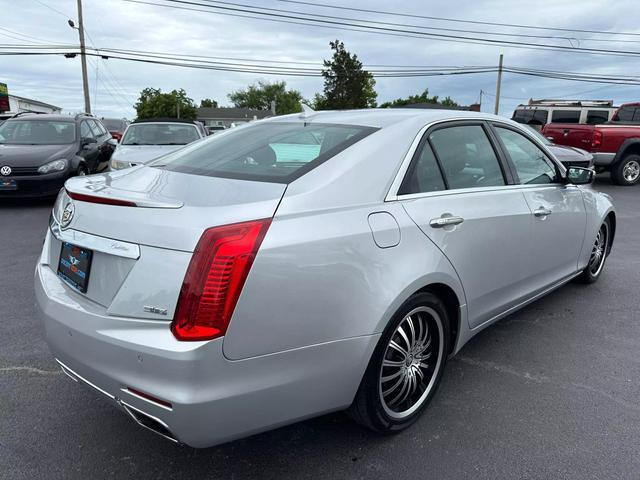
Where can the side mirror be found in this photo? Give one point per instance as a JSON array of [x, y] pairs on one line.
[[86, 141], [580, 176]]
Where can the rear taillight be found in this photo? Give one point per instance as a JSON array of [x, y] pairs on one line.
[[596, 139], [215, 277]]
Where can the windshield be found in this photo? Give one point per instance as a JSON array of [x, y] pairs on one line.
[[272, 152], [113, 124], [160, 134], [37, 132], [537, 134]]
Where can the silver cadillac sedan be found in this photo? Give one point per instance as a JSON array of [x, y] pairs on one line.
[[308, 263]]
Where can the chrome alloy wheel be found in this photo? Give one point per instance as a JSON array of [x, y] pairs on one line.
[[599, 251], [411, 362], [631, 171]]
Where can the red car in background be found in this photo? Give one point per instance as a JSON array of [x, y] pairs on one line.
[[116, 127], [615, 145]]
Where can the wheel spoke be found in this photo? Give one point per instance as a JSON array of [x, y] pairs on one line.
[[386, 392], [392, 363], [398, 348], [412, 331], [404, 381], [405, 338], [392, 376]]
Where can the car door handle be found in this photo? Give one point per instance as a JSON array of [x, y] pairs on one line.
[[445, 221], [542, 212]]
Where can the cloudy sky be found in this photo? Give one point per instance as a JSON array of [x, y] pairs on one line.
[[115, 84]]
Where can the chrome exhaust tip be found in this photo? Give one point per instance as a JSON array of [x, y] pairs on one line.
[[149, 421]]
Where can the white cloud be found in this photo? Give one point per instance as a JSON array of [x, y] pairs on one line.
[[120, 24]]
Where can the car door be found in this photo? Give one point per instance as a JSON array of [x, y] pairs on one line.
[[457, 191], [105, 149], [89, 151], [558, 211]]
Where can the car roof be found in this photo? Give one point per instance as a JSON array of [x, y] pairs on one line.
[[50, 116], [383, 117]]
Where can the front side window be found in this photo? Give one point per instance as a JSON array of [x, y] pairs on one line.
[[565, 116], [37, 132], [272, 151], [424, 174], [467, 157], [531, 163], [160, 134]]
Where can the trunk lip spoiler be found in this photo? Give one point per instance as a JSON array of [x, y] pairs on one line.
[[130, 200]]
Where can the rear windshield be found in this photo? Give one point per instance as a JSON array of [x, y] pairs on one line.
[[113, 124], [37, 132], [270, 152], [160, 134]]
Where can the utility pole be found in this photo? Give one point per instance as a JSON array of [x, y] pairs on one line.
[[178, 108], [83, 58], [498, 86]]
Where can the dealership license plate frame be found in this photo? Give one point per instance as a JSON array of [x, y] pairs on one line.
[[79, 279], [8, 184]]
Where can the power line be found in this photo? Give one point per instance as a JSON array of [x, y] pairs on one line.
[[445, 19], [385, 30], [53, 9]]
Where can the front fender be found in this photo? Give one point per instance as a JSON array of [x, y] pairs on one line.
[[598, 206]]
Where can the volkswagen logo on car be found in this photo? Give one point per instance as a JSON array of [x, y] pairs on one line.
[[5, 171], [67, 215]]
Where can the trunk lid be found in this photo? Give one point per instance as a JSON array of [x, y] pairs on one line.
[[173, 209]]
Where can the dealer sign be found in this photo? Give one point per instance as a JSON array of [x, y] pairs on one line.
[[4, 98]]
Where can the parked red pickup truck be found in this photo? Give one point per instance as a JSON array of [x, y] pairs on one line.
[[615, 145]]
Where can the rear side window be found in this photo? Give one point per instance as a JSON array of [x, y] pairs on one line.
[[565, 116], [424, 174], [531, 117], [270, 151], [467, 157], [85, 130], [594, 117]]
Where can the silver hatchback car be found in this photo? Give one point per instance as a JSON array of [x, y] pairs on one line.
[[308, 263]]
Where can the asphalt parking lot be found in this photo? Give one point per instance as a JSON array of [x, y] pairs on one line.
[[550, 392]]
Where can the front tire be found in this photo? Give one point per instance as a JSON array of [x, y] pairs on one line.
[[627, 171], [598, 256], [406, 367]]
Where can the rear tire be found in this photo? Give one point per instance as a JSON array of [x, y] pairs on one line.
[[627, 171], [599, 253], [81, 171], [406, 367]]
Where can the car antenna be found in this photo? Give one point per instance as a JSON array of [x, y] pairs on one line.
[[306, 110]]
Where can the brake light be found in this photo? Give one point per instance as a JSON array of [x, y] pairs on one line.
[[596, 139], [215, 277], [81, 197]]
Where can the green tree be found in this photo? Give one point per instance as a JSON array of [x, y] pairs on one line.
[[208, 103], [421, 98], [259, 97], [175, 104], [346, 83]]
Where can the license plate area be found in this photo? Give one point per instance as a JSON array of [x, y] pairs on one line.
[[74, 266], [8, 184]]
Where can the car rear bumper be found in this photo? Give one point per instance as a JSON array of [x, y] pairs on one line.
[[212, 399], [35, 186]]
